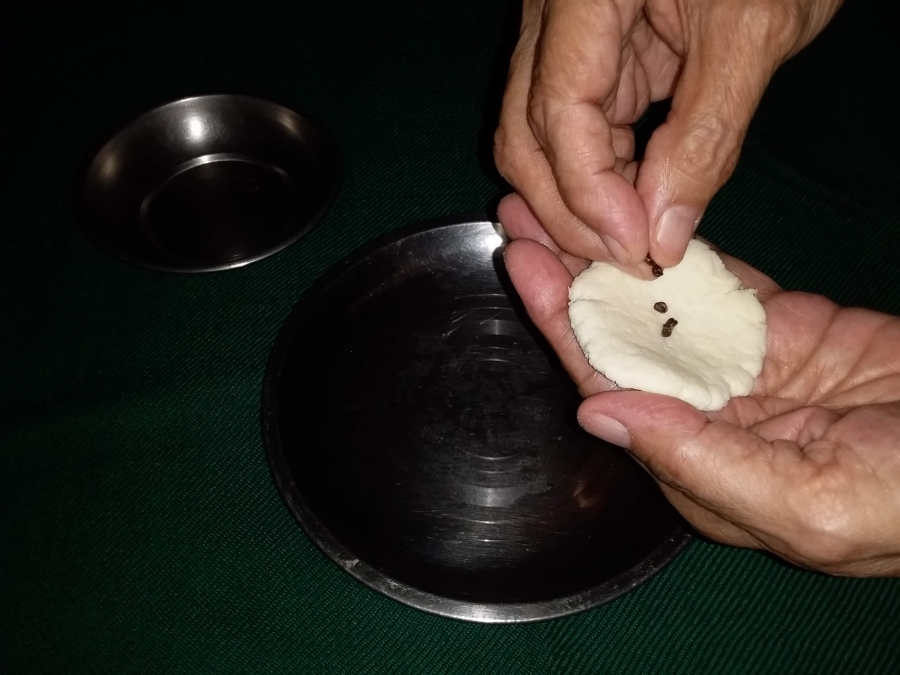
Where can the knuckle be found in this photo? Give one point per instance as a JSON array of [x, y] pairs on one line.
[[537, 112], [549, 106], [710, 147], [507, 153], [773, 23]]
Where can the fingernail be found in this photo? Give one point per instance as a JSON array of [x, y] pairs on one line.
[[675, 228], [619, 252], [607, 429]]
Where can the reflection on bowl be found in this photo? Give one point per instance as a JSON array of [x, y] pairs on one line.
[[208, 183]]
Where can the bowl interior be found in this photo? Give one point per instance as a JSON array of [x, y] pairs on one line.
[[209, 183]]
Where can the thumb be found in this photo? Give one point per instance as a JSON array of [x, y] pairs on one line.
[[729, 61], [650, 426], [729, 470]]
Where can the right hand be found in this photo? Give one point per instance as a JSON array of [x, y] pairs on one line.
[[585, 70]]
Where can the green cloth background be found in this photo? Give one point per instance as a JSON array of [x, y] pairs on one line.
[[139, 529]]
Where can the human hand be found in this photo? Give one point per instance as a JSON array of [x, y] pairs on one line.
[[807, 466], [585, 70]]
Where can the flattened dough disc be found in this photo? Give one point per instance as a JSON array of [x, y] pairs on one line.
[[714, 352]]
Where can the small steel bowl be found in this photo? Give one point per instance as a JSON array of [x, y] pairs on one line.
[[209, 183]]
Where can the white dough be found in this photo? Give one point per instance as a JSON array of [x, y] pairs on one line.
[[714, 353]]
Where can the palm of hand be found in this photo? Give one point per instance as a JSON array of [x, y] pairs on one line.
[[825, 419], [807, 466]]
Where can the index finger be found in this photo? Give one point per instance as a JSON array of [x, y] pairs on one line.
[[520, 158], [576, 69]]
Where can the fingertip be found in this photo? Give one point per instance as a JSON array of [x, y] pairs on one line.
[[518, 220], [657, 426], [590, 247], [612, 211], [511, 253], [605, 428], [672, 234], [620, 253], [509, 207], [532, 265], [642, 412]]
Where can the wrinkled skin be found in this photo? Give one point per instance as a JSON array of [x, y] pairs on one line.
[[585, 70], [807, 466]]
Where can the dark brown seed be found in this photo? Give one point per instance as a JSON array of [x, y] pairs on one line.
[[656, 269], [668, 326], [661, 307]]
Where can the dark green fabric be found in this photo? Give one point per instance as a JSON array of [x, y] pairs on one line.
[[139, 529]]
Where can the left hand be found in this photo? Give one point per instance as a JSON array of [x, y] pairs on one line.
[[807, 466]]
